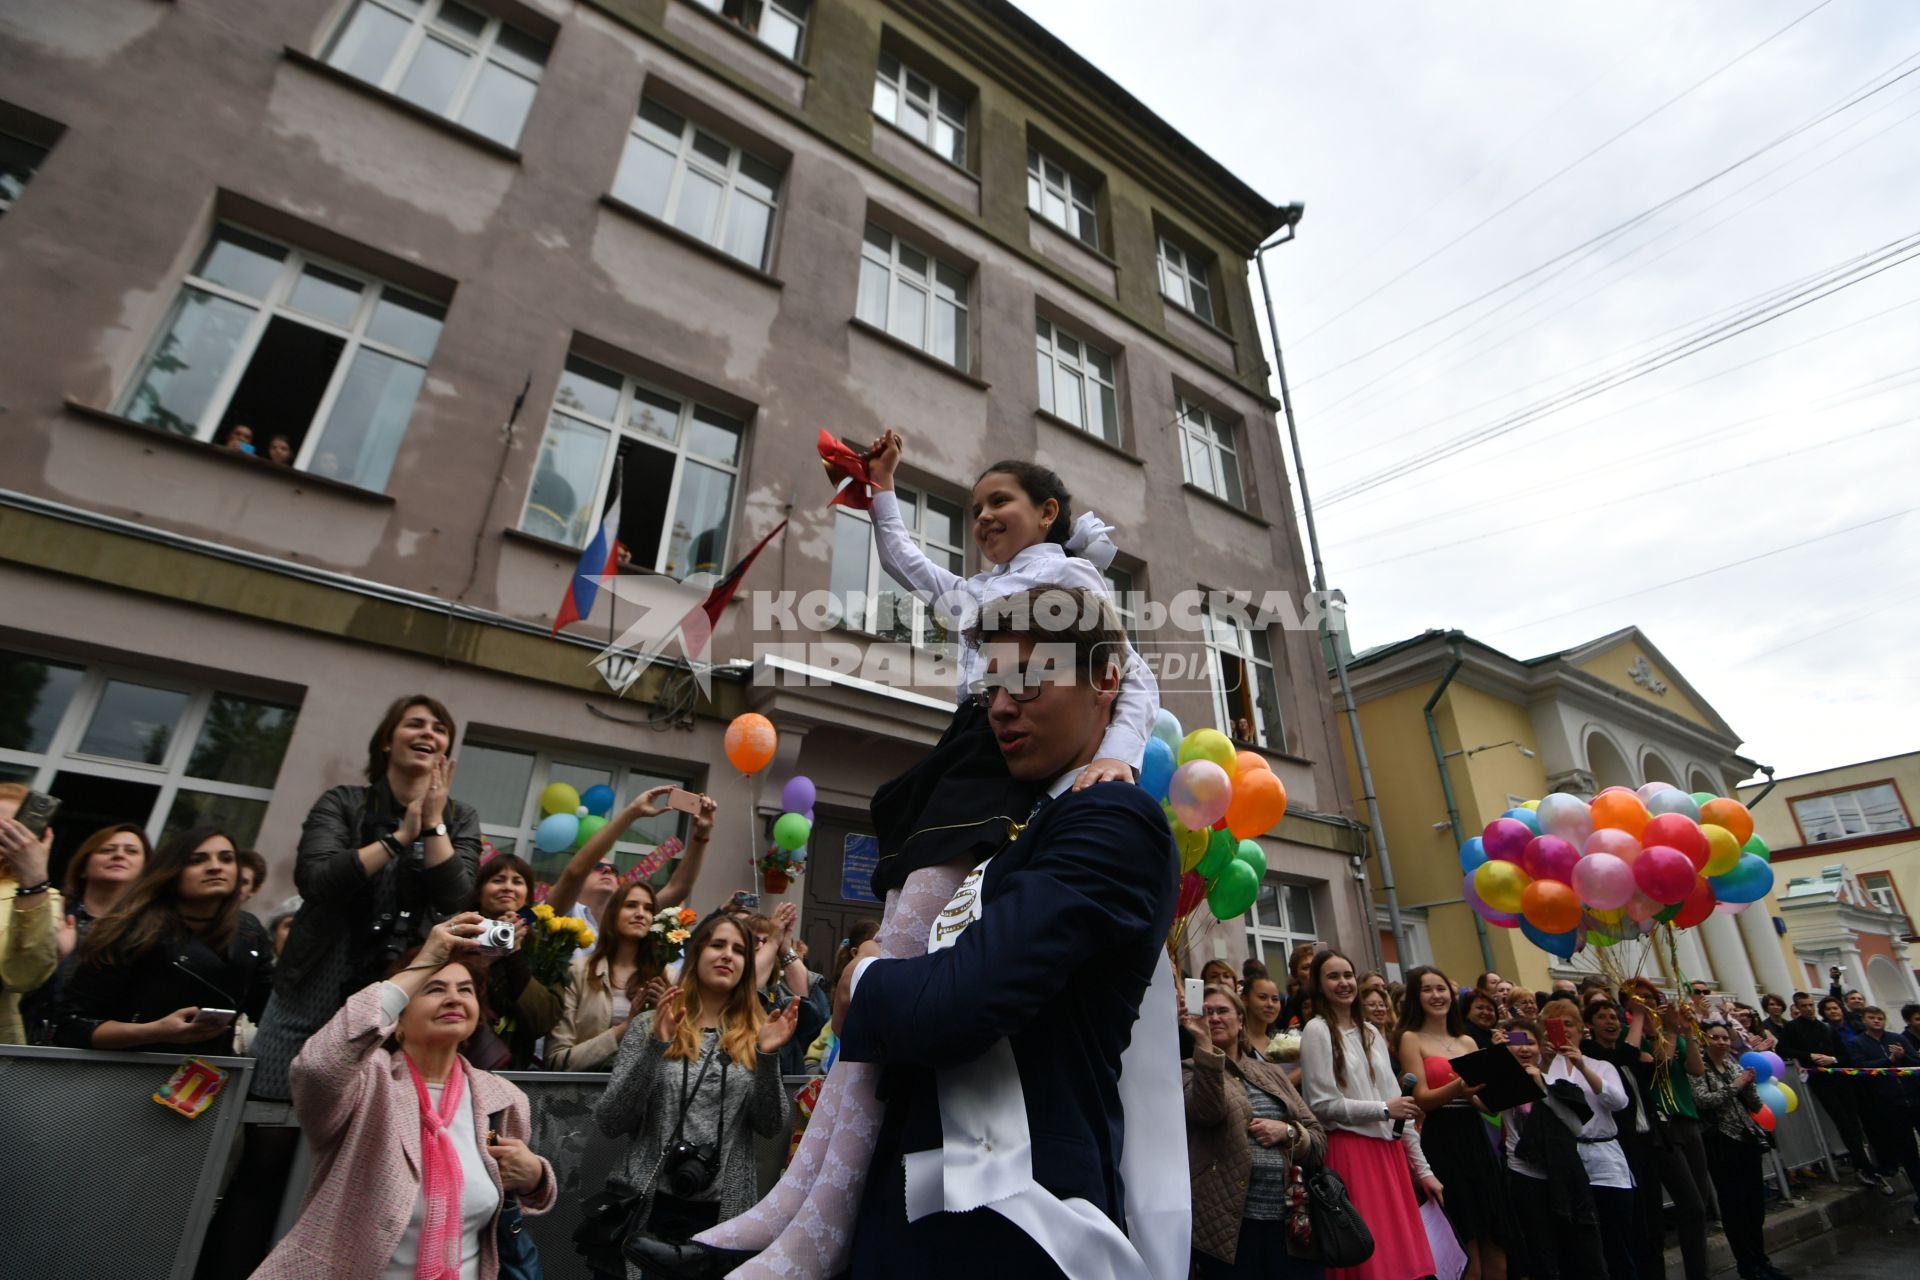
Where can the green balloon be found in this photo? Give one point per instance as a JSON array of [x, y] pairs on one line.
[[588, 825], [790, 832], [1758, 848], [1233, 891], [1220, 849], [1250, 852], [1667, 914], [1701, 797]]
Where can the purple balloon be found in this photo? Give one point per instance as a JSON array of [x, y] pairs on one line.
[[1505, 840], [798, 795], [1484, 911], [1550, 858]]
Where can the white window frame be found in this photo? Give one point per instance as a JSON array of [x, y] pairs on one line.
[[1121, 585], [1225, 636], [938, 293], [1183, 279], [897, 84], [1880, 890], [63, 755], [1071, 196], [1218, 439], [1263, 939], [1848, 815], [17, 176], [689, 156], [620, 428], [1055, 360], [274, 305], [747, 16], [922, 625], [423, 27]]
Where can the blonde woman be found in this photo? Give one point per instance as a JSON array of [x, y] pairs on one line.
[[612, 983]]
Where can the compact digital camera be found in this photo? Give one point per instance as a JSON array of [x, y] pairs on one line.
[[688, 1169], [496, 937]]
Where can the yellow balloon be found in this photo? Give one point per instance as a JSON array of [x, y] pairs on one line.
[[1531, 804], [1500, 885], [1192, 846], [1610, 917], [1793, 1099], [1723, 849]]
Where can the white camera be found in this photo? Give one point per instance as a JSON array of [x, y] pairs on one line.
[[496, 937]]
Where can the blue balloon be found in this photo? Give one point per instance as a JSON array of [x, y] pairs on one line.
[[1750, 880], [1771, 1095], [1554, 944], [556, 832], [598, 799], [1166, 727], [1756, 1062], [1526, 817], [1156, 768], [1472, 854], [1673, 800]]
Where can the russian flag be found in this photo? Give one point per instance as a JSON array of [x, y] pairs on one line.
[[598, 561]]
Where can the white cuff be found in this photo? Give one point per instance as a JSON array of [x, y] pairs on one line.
[[853, 983], [393, 1002]]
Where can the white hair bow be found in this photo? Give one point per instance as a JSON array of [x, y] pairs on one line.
[[1089, 540]]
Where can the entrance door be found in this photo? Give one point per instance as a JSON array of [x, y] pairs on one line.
[[841, 857]]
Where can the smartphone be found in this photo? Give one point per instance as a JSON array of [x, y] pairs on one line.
[[1520, 1037], [223, 1017], [1196, 996], [684, 801], [745, 901], [36, 811], [1557, 1032]]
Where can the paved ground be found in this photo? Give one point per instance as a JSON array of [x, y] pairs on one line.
[[1832, 1232]]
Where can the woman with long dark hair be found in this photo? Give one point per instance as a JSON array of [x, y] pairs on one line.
[[1349, 1081], [175, 961], [702, 1070], [611, 984], [100, 871], [1454, 1135], [523, 1007], [1261, 995]]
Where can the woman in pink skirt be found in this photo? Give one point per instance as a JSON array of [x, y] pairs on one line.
[[1349, 1082]]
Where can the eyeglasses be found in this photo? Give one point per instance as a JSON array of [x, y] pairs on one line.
[[1024, 691], [607, 867]]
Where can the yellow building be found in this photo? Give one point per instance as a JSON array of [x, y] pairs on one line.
[[1458, 732], [1847, 854]]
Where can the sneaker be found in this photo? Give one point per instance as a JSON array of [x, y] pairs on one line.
[[1888, 1190], [1868, 1178]]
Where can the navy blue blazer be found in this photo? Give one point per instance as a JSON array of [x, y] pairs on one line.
[[1075, 914]]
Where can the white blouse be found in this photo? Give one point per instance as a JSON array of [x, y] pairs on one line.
[[1606, 1162], [1359, 1106]]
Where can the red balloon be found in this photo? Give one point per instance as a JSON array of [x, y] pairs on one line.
[[1678, 831], [1764, 1118], [1698, 906], [1663, 874], [1193, 890]]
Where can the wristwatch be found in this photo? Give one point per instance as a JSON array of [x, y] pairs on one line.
[[437, 829], [788, 958]]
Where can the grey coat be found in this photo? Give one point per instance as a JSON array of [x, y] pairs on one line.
[[642, 1099]]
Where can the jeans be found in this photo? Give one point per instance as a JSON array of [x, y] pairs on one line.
[[1615, 1207], [1684, 1134], [1742, 1191], [1689, 1206]]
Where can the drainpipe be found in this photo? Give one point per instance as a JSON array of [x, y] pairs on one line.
[[1766, 790], [1446, 781], [1394, 921]]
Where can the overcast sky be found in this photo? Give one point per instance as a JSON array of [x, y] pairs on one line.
[[1401, 125]]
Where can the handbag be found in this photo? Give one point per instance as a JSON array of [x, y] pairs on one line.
[[1324, 1227], [519, 1256]]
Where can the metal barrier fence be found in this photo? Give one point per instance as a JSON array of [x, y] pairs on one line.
[[1805, 1137]]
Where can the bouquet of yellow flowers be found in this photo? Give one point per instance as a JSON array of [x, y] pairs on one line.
[[668, 936], [551, 942]]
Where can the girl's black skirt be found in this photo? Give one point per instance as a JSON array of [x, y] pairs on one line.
[[957, 803]]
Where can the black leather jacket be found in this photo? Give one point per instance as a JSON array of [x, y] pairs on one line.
[[174, 975]]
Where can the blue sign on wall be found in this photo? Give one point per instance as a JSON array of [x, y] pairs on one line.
[[858, 858]]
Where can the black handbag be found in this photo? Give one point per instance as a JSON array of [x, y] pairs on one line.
[[606, 1220], [1325, 1227]]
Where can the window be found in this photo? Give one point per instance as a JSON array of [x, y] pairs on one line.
[[676, 463], [265, 337], [504, 784], [1183, 279], [126, 746], [710, 190], [1281, 919], [1860, 812], [913, 296], [1061, 198], [1207, 454], [445, 58], [778, 24], [1076, 382], [868, 600], [1120, 588], [1878, 886], [18, 160], [936, 118], [1246, 699]]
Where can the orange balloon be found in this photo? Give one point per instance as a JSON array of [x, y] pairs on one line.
[[1259, 802], [1730, 814], [1246, 762], [750, 742], [1620, 811], [1550, 906]]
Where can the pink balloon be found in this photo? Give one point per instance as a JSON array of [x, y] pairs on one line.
[[1664, 874], [1730, 908], [1648, 790], [1506, 839], [1550, 858], [1199, 793], [1613, 841], [1481, 908], [1642, 908], [1603, 881], [1565, 816]]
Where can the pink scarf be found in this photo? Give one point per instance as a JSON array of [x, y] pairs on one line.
[[441, 1181]]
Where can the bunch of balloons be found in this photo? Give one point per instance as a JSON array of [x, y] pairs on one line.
[[1218, 801], [572, 816], [1769, 1081], [1566, 871], [791, 831]]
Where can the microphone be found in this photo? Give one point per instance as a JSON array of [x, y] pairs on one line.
[[1407, 1084]]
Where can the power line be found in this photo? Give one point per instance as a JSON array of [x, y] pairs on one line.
[[1844, 622]]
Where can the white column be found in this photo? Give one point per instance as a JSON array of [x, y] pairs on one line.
[[1693, 957], [1855, 978], [1763, 948], [1728, 953]]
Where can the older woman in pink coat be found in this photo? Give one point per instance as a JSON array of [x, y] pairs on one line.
[[414, 1150]]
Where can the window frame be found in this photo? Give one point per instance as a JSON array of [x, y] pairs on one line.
[[621, 428], [899, 277], [170, 776], [938, 104], [1191, 271], [24, 178], [1200, 427], [800, 19], [1047, 340], [1875, 884], [1244, 651], [922, 623], [1039, 162], [480, 52], [1286, 934], [688, 156], [1833, 799], [1122, 588]]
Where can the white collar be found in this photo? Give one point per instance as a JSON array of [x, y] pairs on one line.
[[1065, 780], [1027, 555]]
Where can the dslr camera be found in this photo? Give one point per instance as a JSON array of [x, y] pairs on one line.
[[688, 1169], [496, 937]]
